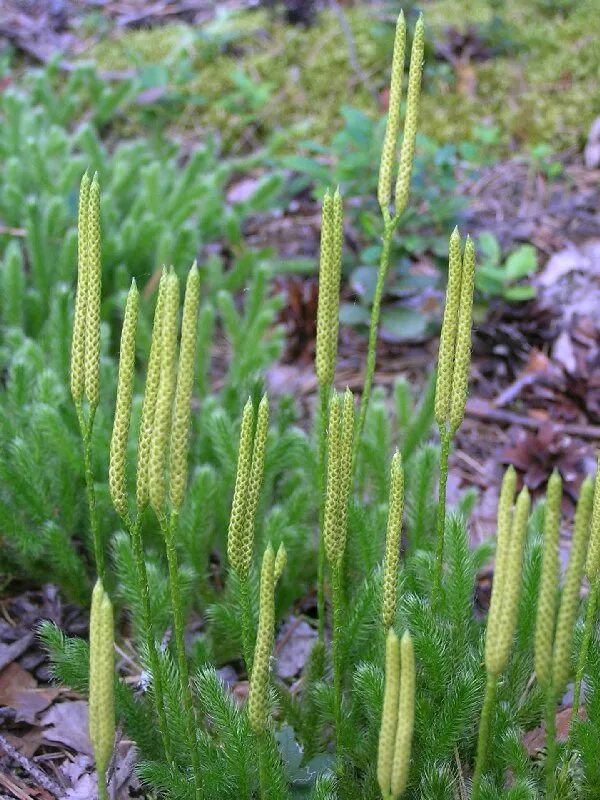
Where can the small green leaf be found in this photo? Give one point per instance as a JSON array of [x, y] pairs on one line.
[[489, 280], [488, 248], [521, 263], [354, 314], [520, 293], [363, 281], [404, 323]]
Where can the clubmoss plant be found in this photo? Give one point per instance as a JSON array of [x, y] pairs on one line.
[[163, 415], [548, 595], [134, 527], [392, 218], [389, 714], [502, 619], [85, 348], [330, 270], [102, 678], [174, 393], [117, 480], [78, 341], [397, 718], [258, 697], [592, 571], [149, 402], [180, 429], [162, 465], [392, 543], [339, 481], [242, 519], [565, 623], [453, 371]]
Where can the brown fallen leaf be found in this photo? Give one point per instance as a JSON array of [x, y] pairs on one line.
[[294, 643], [14, 680], [32, 702], [67, 724], [28, 743], [10, 652], [535, 740]]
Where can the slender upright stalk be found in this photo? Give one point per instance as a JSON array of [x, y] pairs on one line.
[[324, 392], [338, 622], [590, 618], [388, 233], [247, 623], [484, 733], [86, 427], [168, 527], [144, 593], [551, 745], [263, 766], [445, 443]]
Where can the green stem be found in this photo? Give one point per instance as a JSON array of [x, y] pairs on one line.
[[86, 435], [144, 593], [247, 623], [169, 527], [445, 442], [388, 232], [263, 767], [590, 618], [551, 745], [324, 392], [484, 733], [337, 656], [102, 788]]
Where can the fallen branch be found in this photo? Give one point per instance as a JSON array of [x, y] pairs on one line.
[[30, 768], [480, 409]]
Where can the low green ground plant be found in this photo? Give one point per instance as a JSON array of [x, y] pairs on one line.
[[505, 278], [407, 691], [157, 203]]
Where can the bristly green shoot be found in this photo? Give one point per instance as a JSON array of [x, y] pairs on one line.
[[592, 571], [180, 429], [565, 623], [406, 717], [117, 479], [330, 268], [79, 320], [453, 372], [244, 505], [258, 697], [388, 158], [504, 606], [389, 714], [392, 543], [102, 678], [134, 527], [174, 388], [397, 718], [93, 298], [85, 348], [163, 415], [337, 496], [149, 402], [548, 594]]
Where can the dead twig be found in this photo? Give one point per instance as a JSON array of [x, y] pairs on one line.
[[352, 51], [480, 409], [30, 768]]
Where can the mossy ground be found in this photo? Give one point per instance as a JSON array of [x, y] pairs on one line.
[[253, 76]]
